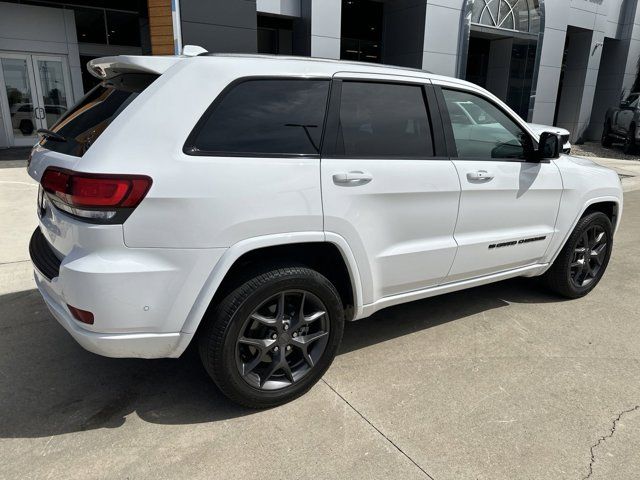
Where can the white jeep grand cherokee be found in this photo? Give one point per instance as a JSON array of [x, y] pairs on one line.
[[254, 204]]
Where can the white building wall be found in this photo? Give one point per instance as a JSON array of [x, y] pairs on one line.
[[600, 19], [442, 36], [35, 29], [325, 28], [287, 8]]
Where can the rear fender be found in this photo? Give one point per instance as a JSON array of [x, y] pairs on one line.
[[239, 249]]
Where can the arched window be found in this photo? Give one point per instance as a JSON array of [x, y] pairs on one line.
[[518, 15]]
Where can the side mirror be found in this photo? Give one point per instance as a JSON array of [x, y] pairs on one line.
[[550, 146]]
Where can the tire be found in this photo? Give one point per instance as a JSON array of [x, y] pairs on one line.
[[564, 276], [249, 330], [606, 139], [630, 141]]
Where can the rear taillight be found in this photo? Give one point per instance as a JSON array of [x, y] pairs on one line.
[[99, 198]]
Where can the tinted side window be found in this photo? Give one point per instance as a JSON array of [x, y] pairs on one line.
[[265, 117], [383, 120], [481, 130]]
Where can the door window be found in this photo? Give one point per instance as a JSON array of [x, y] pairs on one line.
[[383, 120], [264, 117], [483, 131]]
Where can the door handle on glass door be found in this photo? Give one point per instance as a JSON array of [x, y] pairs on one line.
[[352, 179], [480, 176]]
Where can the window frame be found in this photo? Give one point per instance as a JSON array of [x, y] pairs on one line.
[[450, 138], [189, 147], [431, 105]]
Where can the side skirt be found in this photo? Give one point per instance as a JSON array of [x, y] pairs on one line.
[[529, 271]]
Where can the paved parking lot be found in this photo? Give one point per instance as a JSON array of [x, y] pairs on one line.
[[499, 382]]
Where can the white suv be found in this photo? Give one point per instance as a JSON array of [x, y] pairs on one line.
[[254, 204]]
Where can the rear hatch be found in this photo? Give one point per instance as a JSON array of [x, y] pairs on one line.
[[123, 79], [76, 208], [74, 133]]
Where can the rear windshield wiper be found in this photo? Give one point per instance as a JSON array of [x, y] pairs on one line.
[[51, 135]]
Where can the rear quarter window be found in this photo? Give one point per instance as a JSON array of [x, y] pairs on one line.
[[263, 117], [86, 121]]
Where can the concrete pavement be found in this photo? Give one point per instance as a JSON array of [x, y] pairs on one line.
[[499, 382]]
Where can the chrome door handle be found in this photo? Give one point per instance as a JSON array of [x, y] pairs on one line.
[[352, 179], [480, 176]]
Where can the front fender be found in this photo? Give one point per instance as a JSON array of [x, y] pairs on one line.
[[585, 183]]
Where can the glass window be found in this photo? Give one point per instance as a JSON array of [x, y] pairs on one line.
[[266, 117], [383, 120], [521, 15], [82, 126], [123, 28], [90, 25], [275, 35], [481, 130]]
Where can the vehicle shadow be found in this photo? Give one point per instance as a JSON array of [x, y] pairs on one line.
[[412, 317], [50, 386]]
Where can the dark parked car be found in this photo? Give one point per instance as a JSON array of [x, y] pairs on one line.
[[621, 124]]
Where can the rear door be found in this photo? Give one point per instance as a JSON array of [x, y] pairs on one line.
[[387, 186], [508, 206]]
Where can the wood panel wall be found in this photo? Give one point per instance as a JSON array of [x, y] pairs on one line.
[[161, 27]]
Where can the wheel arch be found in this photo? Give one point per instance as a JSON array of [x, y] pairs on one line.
[[306, 248], [608, 207]]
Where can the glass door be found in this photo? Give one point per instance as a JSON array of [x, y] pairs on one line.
[[20, 114], [35, 91], [52, 83]]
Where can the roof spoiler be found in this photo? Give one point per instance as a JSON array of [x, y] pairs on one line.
[[109, 67]]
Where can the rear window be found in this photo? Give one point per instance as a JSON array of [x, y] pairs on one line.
[[85, 122], [263, 117]]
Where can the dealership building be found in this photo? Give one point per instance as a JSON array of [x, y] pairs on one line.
[[561, 62]]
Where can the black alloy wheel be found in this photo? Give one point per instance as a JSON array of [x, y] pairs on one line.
[[282, 340], [589, 256], [272, 335]]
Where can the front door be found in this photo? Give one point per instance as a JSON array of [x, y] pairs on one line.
[[384, 189], [34, 93], [508, 206]]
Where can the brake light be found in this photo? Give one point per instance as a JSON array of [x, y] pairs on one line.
[[95, 196]]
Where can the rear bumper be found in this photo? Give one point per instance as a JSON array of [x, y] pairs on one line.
[[127, 345], [140, 298]]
